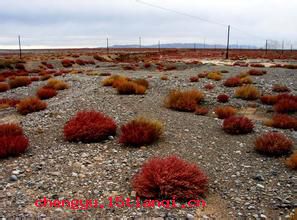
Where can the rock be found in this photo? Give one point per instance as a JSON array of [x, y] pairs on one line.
[[190, 217], [260, 186], [84, 155], [13, 178], [133, 194], [16, 172], [259, 177], [111, 138], [262, 216]]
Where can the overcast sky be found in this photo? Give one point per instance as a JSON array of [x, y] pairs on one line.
[[87, 23]]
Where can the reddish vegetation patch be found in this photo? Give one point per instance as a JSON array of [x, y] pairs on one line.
[[19, 82], [257, 65], [223, 98], [46, 93], [284, 122], [286, 105], [209, 86], [194, 79], [238, 125], [241, 64], [225, 112], [290, 66], [280, 88], [29, 105], [34, 78], [256, 72], [4, 87], [200, 110], [140, 132], [273, 144], [268, 99], [292, 161], [12, 140], [9, 102], [233, 82], [89, 127], [20, 66], [202, 75], [170, 177], [67, 63]]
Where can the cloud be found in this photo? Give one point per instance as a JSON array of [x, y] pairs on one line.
[[87, 23]]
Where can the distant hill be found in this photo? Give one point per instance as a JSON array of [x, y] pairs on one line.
[[186, 46]]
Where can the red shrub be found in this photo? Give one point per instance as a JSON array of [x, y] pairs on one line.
[[223, 98], [233, 82], [89, 126], [202, 75], [20, 66], [140, 132], [2, 78], [209, 86], [9, 102], [170, 177], [67, 63], [238, 125], [273, 144], [256, 65], [80, 62], [34, 78], [284, 122], [147, 65], [280, 88], [13, 145], [29, 105], [286, 105], [19, 82], [255, 72], [46, 93], [240, 63], [201, 110], [10, 130], [292, 163], [194, 79], [225, 112], [4, 87], [268, 99], [49, 66], [290, 66], [45, 77]]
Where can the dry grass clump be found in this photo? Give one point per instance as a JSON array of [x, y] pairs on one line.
[[283, 121], [291, 162], [247, 92], [225, 111], [4, 87], [109, 81], [286, 105], [256, 72], [268, 99], [142, 82], [217, 76], [57, 84], [280, 88], [194, 79], [184, 100], [200, 110], [19, 81], [223, 98], [164, 77], [67, 63], [170, 177], [202, 75], [141, 131], [29, 105], [246, 80], [46, 93], [238, 125], [209, 86], [233, 82], [273, 144], [130, 87]]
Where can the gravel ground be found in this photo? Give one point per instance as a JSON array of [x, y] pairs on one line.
[[242, 183]]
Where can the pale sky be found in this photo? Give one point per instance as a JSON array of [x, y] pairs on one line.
[[87, 23]]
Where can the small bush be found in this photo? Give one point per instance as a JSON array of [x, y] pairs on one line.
[[57, 84], [273, 144], [67, 63], [4, 87], [214, 76], [142, 82], [257, 65], [233, 82], [238, 125], [292, 161], [20, 66], [170, 177], [256, 72], [89, 126], [45, 77], [9, 102], [19, 81], [202, 75], [164, 77], [128, 88], [285, 106], [184, 100], [209, 86], [141, 131], [247, 92], [194, 79], [109, 81], [46, 93], [223, 98], [268, 99], [29, 105], [284, 122], [13, 142], [290, 66], [200, 110], [280, 88], [225, 112], [34, 78], [80, 62], [246, 80]]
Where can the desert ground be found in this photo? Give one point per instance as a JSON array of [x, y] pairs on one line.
[[242, 183]]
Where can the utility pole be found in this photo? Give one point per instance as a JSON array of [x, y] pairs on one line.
[[139, 42], [266, 46], [228, 41], [107, 46], [20, 47]]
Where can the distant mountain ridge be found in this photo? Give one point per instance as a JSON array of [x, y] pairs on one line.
[[186, 46]]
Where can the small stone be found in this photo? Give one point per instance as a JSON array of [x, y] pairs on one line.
[[260, 186], [13, 178], [84, 155], [259, 177], [263, 216], [189, 216], [111, 138], [133, 194], [16, 172]]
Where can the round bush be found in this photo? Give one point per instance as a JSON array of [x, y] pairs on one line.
[[89, 126], [13, 145], [273, 144], [238, 125], [168, 178]]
